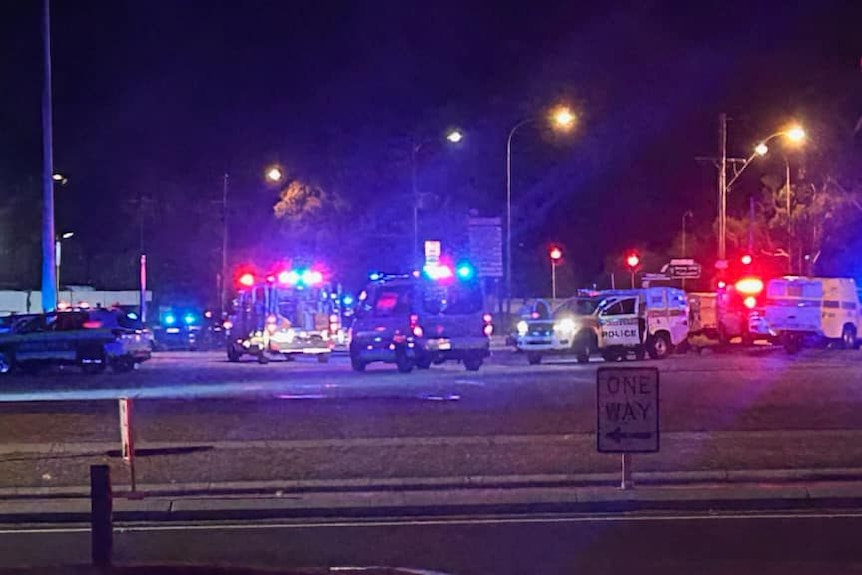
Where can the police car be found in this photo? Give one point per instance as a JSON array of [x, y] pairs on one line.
[[571, 329], [91, 339], [420, 319]]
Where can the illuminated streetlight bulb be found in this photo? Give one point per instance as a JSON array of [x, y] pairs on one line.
[[761, 149], [274, 174], [455, 136], [563, 118], [795, 134]]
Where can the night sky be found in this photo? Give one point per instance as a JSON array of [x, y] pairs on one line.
[[161, 98]]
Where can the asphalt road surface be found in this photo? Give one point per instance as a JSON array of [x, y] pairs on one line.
[[304, 420], [771, 543]]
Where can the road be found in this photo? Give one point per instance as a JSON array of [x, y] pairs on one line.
[[205, 419], [765, 543]]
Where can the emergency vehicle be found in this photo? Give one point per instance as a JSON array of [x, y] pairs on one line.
[[92, 339], [285, 314], [644, 321], [422, 318], [571, 329], [800, 309]]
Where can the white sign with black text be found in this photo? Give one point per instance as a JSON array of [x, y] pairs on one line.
[[627, 410]]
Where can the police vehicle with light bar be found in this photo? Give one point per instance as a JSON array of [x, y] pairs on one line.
[[420, 319]]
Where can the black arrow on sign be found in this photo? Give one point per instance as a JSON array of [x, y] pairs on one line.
[[618, 435]]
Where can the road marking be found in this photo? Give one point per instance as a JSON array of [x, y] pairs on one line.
[[444, 521]]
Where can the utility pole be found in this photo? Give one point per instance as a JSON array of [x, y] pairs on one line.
[[722, 187], [789, 225], [223, 276], [49, 264]]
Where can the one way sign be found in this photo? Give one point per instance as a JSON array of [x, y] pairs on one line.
[[627, 410]]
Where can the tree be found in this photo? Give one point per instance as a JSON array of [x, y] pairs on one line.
[[311, 216]]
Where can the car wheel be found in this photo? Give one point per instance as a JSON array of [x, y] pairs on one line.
[[473, 363], [233, 355], [123, 365], [6, 362], [610, 356], [262, 359], [357, 364], [402, 362], [534, 358], [792, 344], [659, 346], [848, 337]]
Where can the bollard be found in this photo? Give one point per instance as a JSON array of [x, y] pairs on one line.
[[101, 515]]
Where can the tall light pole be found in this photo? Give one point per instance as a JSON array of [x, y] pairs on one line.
[[562, 118], [49, 271], [59, 257], [795, 134], [223, 277], [453, 137]]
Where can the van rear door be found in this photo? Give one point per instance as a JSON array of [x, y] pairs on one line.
[[793, 304]]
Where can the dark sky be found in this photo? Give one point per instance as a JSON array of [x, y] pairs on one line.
[[152, 92]]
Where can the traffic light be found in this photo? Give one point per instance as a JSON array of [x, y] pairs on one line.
[[556, 254], [246, 279], [633, 261]]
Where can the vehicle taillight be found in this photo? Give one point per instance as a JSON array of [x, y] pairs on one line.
[[415, 328], [488, 326]]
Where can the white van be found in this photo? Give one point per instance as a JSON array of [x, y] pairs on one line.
[[800, 309], [651, 320]]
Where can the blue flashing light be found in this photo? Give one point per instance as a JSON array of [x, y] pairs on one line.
[[465, 271], [170, 319], [374, 276], [347, 300], [189, 319]]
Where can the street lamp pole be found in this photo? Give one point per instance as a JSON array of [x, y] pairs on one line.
[[223, 279], [509, 211], [789, 225], [49, 271]]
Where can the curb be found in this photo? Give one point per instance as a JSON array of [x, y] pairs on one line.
[[656, 479], [454, 503]]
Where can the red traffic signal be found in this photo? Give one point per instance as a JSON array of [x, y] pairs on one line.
[[633, 260], [246, 279], [556, 254]]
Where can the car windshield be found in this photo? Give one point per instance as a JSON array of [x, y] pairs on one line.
[[472, 286], [580, 306]]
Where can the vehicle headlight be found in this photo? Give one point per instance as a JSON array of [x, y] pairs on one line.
[[565, 325], [522, 327]]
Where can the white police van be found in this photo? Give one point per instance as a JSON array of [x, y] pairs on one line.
[[644, 321]]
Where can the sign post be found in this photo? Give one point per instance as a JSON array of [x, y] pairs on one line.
[[127, 439], [627, 414]]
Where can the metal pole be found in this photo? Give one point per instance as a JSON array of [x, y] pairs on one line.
[[553, 281], [789, 225], [626, 479], [684, 215], [49, 266], [633, 278], [509, 220], [142, 302], [58, 257], [722, 187], [750, 224], [416, 255], [223, 277]]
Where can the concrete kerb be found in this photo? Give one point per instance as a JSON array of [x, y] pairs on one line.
[[653, 479]]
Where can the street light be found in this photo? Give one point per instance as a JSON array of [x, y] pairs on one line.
[[274, 174], [562, 118], [453, 136]]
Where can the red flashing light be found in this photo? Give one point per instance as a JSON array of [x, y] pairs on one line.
[[488, 330], [746, 259], [750, 302], [749, 286], [487, 318], [722, 284], [633, 260], [246, 279], [556, 254]]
